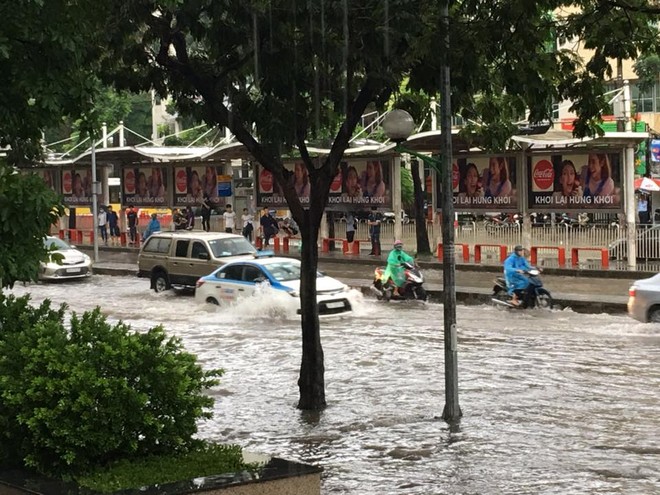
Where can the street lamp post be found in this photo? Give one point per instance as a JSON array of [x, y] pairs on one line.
[[398, 125]]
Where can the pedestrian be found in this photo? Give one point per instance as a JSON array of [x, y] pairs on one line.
[[350, 227], [132, 218], [179, 220], [103, 221], [374, 220], [643, 208], [206, 213], [248, 226], [152, 226], [268, 226], [113, 224], [190, 218], [230, 219]]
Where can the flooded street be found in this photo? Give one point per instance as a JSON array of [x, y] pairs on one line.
[[553, 402]]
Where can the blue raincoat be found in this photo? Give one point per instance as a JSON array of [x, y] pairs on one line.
[[515, 280]]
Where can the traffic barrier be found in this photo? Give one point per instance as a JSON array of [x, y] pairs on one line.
[[604, 255], [465, 251], [354, 247], [325, 244], [561, 254], [478, 247], [285, 243], [75, 236]]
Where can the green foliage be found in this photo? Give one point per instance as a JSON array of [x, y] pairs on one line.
[[205, 460], [49, 52], [27, 210], [79, 397], [648, 70]]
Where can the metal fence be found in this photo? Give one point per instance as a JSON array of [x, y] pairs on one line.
[[547, 238]]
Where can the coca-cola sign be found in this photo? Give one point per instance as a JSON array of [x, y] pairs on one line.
[[543, 176]]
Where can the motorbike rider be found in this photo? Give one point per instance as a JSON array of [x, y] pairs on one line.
[[395, 269], [514, 268]]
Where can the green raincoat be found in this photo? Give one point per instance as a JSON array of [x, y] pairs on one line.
[[395, 268]]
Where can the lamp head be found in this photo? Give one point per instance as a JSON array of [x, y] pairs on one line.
[[398, 125]]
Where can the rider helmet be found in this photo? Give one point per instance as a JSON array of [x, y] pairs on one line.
[[518, 248], [398, 244]]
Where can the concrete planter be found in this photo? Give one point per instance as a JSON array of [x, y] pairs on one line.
[[276, 477]]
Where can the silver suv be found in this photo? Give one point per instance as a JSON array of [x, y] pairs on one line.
[[180, 258]]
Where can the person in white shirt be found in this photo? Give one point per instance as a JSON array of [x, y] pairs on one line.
[[230, 219], [103, 220], [248, 226]]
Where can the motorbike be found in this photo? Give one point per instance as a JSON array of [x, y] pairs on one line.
[[410, 290], [534, 296]]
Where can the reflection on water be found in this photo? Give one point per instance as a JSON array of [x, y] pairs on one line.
[[553, 402]]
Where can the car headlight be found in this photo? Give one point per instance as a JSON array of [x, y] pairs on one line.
[[86, 258]]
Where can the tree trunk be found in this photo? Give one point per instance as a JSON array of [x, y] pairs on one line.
[[311, 382], [423, 246]]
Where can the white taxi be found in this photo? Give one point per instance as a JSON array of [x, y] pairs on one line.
[[240, 279]]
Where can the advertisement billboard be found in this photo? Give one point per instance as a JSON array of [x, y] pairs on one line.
[[483, 183], [575, 181], [145, 186], [50, 178], [77, 186], [360, 184], [193, 183]]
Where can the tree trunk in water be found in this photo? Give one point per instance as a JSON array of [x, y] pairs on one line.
[[423, 246], [311, 382]]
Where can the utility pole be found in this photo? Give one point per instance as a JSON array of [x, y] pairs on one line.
[[452, 410]]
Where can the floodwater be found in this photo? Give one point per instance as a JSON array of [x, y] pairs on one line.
[[553, 402]]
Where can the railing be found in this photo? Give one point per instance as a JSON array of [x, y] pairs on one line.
[[603, 236]]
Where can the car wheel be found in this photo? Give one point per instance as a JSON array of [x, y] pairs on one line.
[[160, 282], [212, 300], [654, 315]]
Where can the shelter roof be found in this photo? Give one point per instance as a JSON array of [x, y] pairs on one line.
[[559, 139]]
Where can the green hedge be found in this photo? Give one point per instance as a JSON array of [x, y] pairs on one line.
[[86, 393]]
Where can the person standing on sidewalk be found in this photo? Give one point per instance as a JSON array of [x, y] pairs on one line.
[[230, 219], [374, 231], [248, 226], [350, 230], [113, 223], [103, 221], [206, 213], [131, 218]]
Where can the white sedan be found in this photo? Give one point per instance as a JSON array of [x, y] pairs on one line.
[[66, 262], [239, 279]]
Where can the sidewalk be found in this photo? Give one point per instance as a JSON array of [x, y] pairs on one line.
[[591, 291]]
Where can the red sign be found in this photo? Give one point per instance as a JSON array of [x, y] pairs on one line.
[[335, 186], [266, 181], [181, 181], [543, 176]]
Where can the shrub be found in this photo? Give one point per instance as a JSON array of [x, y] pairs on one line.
[[95, 393]]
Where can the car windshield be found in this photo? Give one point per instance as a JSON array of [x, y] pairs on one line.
[[233, 246], [55, 243], [285, 271]]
